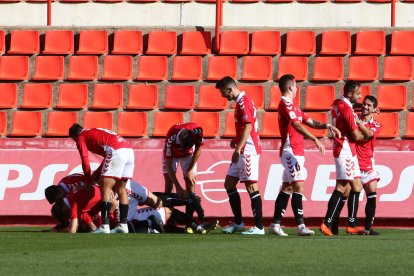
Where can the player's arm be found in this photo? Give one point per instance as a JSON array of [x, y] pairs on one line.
[[83, 151], [243, 139], [319, 125], [366, 132], [305, 133], [196, 155]]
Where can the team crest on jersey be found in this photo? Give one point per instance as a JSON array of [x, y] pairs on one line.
[[292, 115], [245, 117]]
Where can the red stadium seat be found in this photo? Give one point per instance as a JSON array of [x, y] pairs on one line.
[[132, 124], [320, 117], [297, 66], [257, 68], [398, 68], [277, 1], [142, 96], [143, 1], [363, 68], [2, 43], [346, 1], [312, 1], [234, 43], [162, 43], [265, 43], [177, 1], [58, 123], [409, 125], [319, 97], [229, 127], [117, 68], [74, 1], [107, 1], [179, 97], [275, 96], [412, 102], [187, 68], [127, 42], [390, 124], [72, 96], [107, 96], [164, 120], [48, 68], [221, 66], [336, 43], [97, 119], [59, 42], [83, 68], [243, 1], [8, 95], [270, 125], [3, 123], [392, 97], [256, 93], [152, 68], [14, 68], [300, 43], [196, 43], [209, 98], [328, 69], [93, 42], [24, 42], [402, 43], [37, 95], [209, 121], [370, 43], [26, 123]]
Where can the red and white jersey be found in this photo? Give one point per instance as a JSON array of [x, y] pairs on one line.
[[365, 148], [72, 183], [172, 145], [343, 117], [85, 204], [98, 141], [292, 141], [245, 113]]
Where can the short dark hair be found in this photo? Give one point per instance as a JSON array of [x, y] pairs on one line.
[[187, 138], [59, 212], [372, 99], [284, 82], [225, 82], [350, 86], [54, 193], [75, 130]]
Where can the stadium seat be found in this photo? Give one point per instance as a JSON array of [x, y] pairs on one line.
[[127, 42], [209, 121], [398, 68], [275, 96], [244, 1], [370, 43], [176, 1], [320, 117], [187, 68], [164, 120], [24, 42], [132, 124], [257, 68], [37, 95], [93, 42], [179, 97], [107, 96], [83, 68], [346, 1], [3, 123], [256, 93], [142, 96], [270, 125], [152, 68], [363, 68], [108, 1], [143, 1], [336, 43], [312, 1], [74, 1], [319, 97], [8, 95], [297, 66], [390, 124], [14, 68], [412, 102], [402, 43], [97, 119], [59, 122], [300, 43], [277, 1], [409, 125], [229, 127], [72, 96], [48, 68], [26, 123], [209, 98], [162, 43], [59, 42], [328, 69], [117, 68], [392, 97], [234, 43], [265, 43], [2, 42], [221, 66], [196, 43]]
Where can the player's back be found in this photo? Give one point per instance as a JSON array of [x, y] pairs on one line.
[[98, 139]]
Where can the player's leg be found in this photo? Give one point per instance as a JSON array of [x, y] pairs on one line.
[[335, 219], [370, 207], [167, 180], [281, 203], [119, 189], [230, 184], [353, 199], [297, 207], [145, 220], [190, 188], [106, 184]]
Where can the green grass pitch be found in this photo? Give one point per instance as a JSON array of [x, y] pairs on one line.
[[28, 251]]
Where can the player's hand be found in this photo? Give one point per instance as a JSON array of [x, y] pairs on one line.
[[235, 157], [233, 143], [320, 146], [335, 132], [376, 110], [191, 176]]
